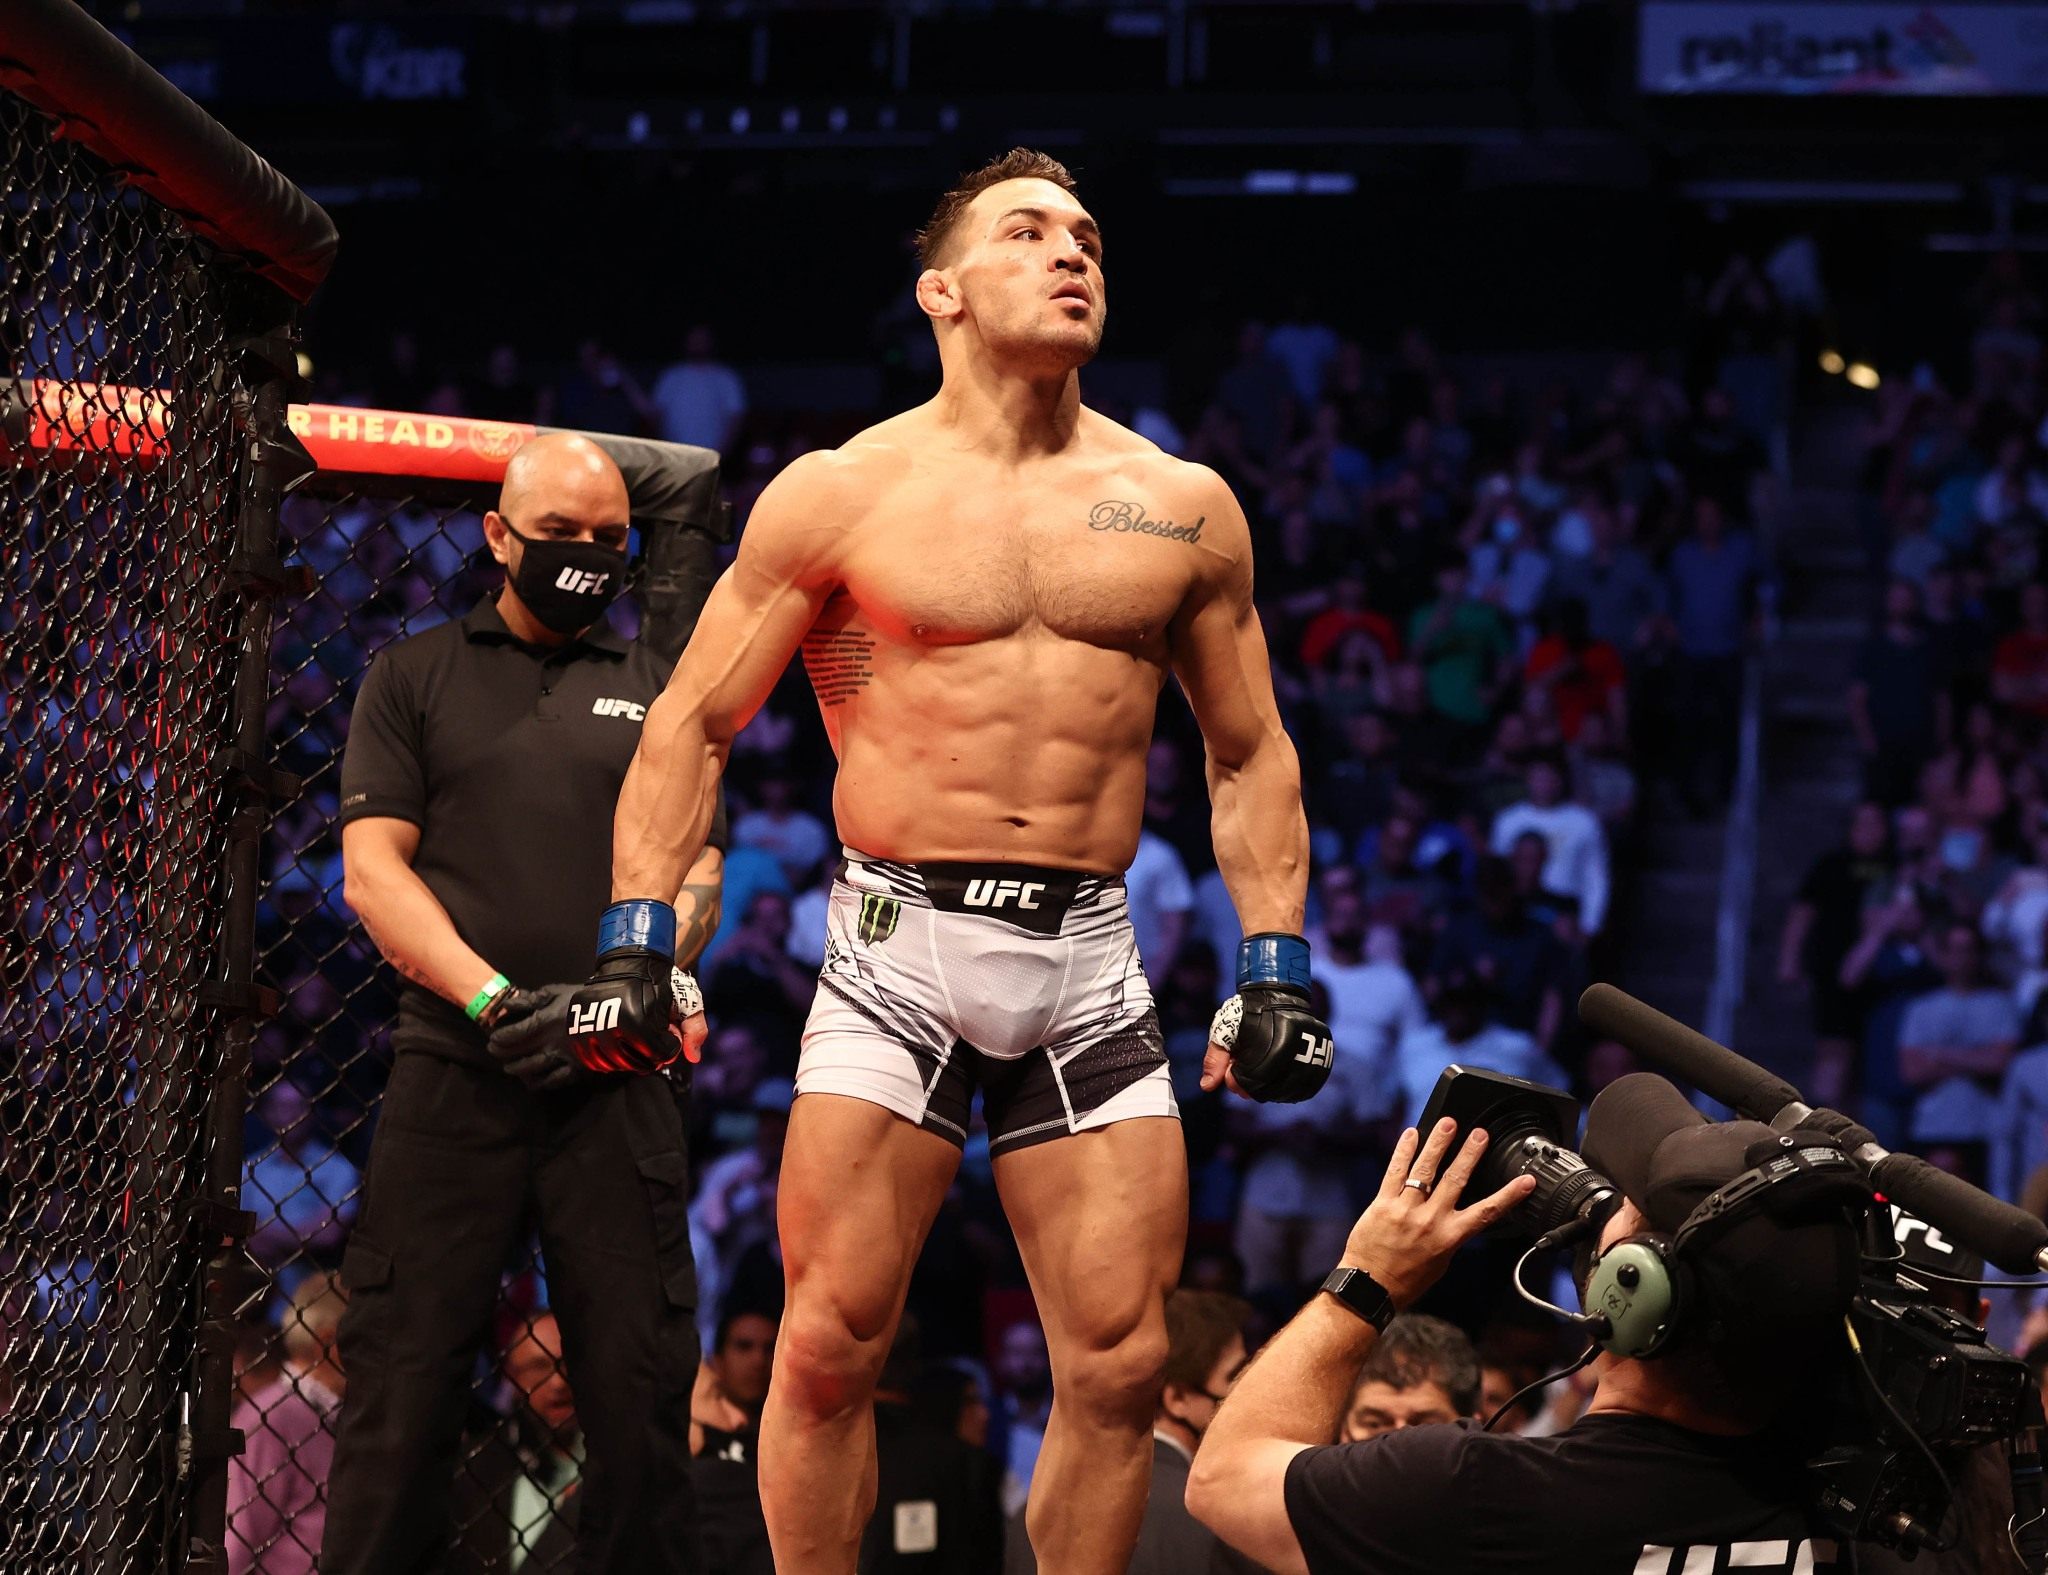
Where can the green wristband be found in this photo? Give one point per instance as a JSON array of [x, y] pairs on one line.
[[494, 987]]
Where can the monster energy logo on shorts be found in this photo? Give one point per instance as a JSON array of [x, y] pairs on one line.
[[878, 916]]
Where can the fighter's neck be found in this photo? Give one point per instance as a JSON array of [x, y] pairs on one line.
[[1009, 416]]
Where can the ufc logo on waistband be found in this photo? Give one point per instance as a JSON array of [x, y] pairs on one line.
[[995, 893], [1314, 1051], [582, 582], [626, 708], [594, 1017]]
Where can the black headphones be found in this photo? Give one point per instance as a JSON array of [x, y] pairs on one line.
[[1642, 1291]]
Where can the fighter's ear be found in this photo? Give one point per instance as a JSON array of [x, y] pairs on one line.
[[938, 294]]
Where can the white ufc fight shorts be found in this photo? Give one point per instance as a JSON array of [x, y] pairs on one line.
[[1023, 982]]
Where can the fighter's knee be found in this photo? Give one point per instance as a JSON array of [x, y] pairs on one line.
[[1118, 1381], [824, 1362]]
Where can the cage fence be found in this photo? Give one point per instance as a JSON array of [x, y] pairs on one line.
[[119, 624]]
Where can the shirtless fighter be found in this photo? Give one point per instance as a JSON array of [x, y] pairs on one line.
[[988, 591]]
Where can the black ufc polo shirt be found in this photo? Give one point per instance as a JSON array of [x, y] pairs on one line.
[[508, 757]]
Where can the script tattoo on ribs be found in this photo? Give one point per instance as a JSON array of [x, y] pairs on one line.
[[840, 662], [1116, 514]]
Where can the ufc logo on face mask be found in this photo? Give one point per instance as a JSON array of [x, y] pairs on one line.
[[1314, 1051], [626, 708], [594, 1017], [995, 893], [582, 582]]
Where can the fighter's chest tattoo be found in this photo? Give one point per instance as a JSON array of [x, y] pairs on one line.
[[1115, 514]]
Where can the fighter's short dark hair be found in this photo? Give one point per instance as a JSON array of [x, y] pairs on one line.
[[1017, 164], [1418, 1349]]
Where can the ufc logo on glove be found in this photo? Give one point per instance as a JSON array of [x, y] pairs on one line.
[[594, 1017], [1315, 1051]]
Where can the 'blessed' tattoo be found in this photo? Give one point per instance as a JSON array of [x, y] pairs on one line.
[[1115, 514]]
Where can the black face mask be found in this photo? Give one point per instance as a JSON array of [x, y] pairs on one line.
[[567, 585]]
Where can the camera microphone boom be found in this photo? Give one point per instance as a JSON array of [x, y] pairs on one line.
[[2009, 1237]]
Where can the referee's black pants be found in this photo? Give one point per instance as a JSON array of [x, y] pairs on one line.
[[464, 1159]]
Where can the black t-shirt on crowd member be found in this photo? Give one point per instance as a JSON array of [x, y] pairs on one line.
[[1835, 888], [508, 757], [1611, 1495]]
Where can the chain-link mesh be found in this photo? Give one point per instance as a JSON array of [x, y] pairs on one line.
[[118, 627], [387, 565]]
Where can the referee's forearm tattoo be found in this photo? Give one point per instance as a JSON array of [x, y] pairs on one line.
[[698, 907]]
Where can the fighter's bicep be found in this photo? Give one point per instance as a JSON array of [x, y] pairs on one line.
[[1219, 656], [750, 628], [762, 606]]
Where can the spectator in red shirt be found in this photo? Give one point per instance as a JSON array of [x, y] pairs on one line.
[[2019, 672], [1348, 614], [1585, 676]]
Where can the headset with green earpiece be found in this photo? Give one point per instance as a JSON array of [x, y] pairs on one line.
[[1640, 1293]]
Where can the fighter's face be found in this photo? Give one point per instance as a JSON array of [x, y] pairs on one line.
[[1028, 273]]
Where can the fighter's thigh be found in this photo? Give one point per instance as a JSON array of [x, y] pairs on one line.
[[859, 1189], [1101, 1218]]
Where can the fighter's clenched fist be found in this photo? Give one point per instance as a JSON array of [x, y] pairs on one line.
[[639, 1011], [1267, 1039]]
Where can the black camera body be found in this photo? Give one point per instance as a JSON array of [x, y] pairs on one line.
[[1936, 1390], [1892, 1427]]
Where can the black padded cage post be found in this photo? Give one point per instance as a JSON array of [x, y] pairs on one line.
[[389, 531], [153, 266]]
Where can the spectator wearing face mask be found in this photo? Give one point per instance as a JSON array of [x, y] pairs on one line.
[[1510, 569]]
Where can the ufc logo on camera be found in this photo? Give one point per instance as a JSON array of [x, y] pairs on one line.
[[594, 1017], [582, 582], [1315, 1050], [995, 893]]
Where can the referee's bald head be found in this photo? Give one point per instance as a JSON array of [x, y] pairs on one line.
[[565, 474]]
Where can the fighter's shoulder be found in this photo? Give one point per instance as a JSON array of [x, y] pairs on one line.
[[1187, 491], [1176, 481]]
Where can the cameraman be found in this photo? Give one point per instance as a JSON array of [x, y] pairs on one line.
[[1665, 1473]]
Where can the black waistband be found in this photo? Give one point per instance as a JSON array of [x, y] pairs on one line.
[[1029, 896]]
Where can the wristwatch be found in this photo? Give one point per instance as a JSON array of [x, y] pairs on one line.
[[1363, 1294]]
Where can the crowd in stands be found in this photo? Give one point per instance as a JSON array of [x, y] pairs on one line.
[[1922, 937], [1489, 601]]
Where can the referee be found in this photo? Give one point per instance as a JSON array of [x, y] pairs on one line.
[[484, 758]]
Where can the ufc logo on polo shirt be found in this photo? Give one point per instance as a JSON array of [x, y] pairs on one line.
[[594, 1017], [582, 581], [1314, 1051], [995, 893], [630, 709]]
